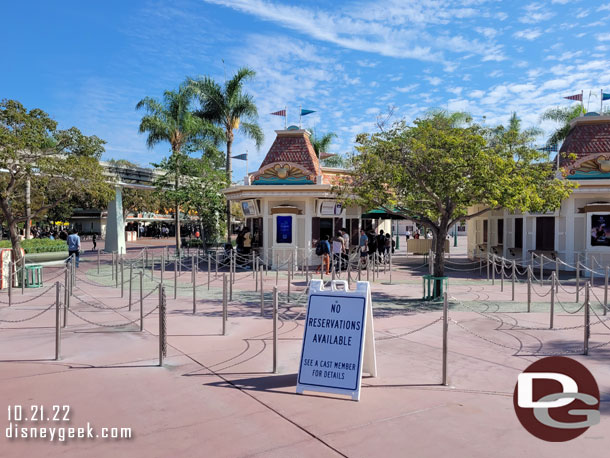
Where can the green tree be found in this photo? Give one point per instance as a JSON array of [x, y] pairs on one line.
[[321, 144], [230, 108], [436, 171], [171, 120], [563, 116], [199, 189], [59, 164]]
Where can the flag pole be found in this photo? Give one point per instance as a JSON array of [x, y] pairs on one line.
[[601, 102], [285, 117], [300, 114], [582, 99]]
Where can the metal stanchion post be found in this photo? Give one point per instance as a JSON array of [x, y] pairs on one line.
[[552, 311], [231, 274], [277, 268], [606, 290], [161, 320], [224, 304], [66, 297], [577, 281], [57, 323], [98, 261], [130, 280], [23, 276], [493, 269], [253, 266], [368, 267], [262, 293], [194, 291], [209, 269], [592, 271], [557, 274], [390, 266], [529, 288], [587, 329], [487, 255], [512, 280], [122, 276], [192, 268], [541, 269], [162, 265], [10, 283], [216, 263], [445, 330], [141, 301], [112, 266], [275, 329], [289, 281], [152, 266], [502, 276], [175, 280]]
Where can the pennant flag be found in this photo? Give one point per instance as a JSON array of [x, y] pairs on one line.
[[306, 112], [605, 96], [574, 97], [279, 113], [241, 157]]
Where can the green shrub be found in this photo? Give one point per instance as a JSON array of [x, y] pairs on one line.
[[39, 245]]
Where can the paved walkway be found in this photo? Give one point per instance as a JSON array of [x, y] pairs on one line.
[[216, 395]]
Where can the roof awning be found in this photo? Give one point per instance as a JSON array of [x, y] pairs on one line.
[[379, 213]]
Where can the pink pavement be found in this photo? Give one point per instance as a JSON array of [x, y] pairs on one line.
[[217, 396]]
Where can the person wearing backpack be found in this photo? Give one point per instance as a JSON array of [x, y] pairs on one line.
[[323, 250]]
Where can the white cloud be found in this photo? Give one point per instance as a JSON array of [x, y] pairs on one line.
[[434, 80], [527, 34], [408, 88], [534, 13], [605, 7], [367, 63], [393, 29], [603, 36]]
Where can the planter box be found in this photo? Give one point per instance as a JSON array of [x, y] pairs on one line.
[[37, 258]]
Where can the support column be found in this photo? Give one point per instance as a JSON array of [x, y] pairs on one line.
[[115, 225]]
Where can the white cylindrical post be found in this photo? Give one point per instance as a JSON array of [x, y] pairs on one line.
[[445, 342], [275, 329]]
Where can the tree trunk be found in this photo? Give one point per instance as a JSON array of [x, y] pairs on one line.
[[229, 179], [13, 231], [28, 209], [177, 215], [439, 254]]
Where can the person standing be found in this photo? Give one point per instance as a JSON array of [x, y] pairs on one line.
[[323, 250], [94, 240], [74, 246], [247, 241], [363, 245], [345, 237], [381, 244], [338, 251]]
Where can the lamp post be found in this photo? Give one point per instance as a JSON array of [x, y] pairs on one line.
[[455, 235]]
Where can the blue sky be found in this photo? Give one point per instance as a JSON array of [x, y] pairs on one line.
[[88, 63]]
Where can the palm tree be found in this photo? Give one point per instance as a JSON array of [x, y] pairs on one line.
[[231, 109], [512, 137], [562, 115], [321, 143], [171, 120]]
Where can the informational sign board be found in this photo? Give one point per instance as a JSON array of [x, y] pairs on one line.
[[284, 229], [338, 343]]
